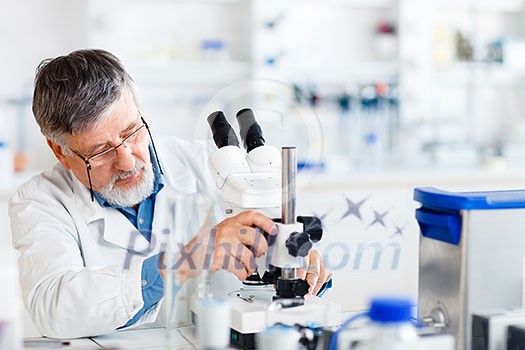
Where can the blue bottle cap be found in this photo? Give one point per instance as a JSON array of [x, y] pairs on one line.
[[385, 310]]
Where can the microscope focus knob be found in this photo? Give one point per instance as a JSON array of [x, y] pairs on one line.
[[299, 244], [313, 226]]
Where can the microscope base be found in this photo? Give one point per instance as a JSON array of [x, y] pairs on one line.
[[250, 313]]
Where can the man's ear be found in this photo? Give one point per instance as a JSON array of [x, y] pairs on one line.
[[59, 154]]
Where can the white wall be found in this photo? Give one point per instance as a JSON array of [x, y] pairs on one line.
[[31, 31]]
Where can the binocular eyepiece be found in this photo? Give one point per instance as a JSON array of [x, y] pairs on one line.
[[224, 135], [222, 131]]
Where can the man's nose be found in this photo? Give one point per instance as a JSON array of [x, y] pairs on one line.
[[124, 158]]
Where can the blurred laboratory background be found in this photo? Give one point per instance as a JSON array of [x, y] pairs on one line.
[[378, 95], [392, 83]]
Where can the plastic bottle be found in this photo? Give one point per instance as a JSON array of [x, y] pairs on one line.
[[213, 324], [393, 329], [278, 336]]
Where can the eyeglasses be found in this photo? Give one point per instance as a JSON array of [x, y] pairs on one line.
[[108, 155]]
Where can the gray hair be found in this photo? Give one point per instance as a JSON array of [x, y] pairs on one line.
[[74, 92]]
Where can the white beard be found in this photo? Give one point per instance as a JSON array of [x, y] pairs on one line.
[[131, 196]]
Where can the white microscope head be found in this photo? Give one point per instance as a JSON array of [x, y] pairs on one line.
[[250, 180]]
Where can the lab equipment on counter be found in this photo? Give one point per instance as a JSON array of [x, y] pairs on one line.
[[392, 326], [261, 179], [213, 331], [472, 251], [388, 324], [516, 337], [490, 329], [278, 337]]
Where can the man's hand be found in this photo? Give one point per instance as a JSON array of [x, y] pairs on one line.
[[234, 235], [314, 272], [232, 245]]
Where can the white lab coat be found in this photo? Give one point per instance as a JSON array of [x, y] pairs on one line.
[[80, 264]]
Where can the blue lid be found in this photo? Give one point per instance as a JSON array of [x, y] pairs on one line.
[[439, 216], [436, 198], [279, 329], [386, 310]]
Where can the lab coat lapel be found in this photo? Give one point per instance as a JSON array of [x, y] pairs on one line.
[[116, 227], [119, 231]]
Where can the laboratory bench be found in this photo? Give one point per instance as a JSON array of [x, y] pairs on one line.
[[183, 338], [143, 339]]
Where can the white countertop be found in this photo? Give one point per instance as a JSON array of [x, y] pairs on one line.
[[182, 338]]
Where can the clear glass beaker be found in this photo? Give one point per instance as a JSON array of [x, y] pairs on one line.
[[185, 257]]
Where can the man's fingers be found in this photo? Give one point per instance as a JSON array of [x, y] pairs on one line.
[[235, 266], [323, 278], [312, 279], [247, 227], [313, 271], [253, 238], [254, 218], [301, 273], [239, 260], [244, 255]]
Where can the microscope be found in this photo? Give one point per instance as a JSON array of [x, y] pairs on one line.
[[254, 182], [263, 180]]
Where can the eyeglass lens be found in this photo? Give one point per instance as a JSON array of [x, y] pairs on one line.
[[109, 154]]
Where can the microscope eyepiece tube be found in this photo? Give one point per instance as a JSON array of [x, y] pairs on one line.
[[289, 171], [223, 133], [250, 131]]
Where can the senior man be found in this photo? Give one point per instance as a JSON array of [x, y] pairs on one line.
[[82, 227]]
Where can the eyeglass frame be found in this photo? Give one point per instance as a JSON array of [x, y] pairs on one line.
[[114, 148]]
